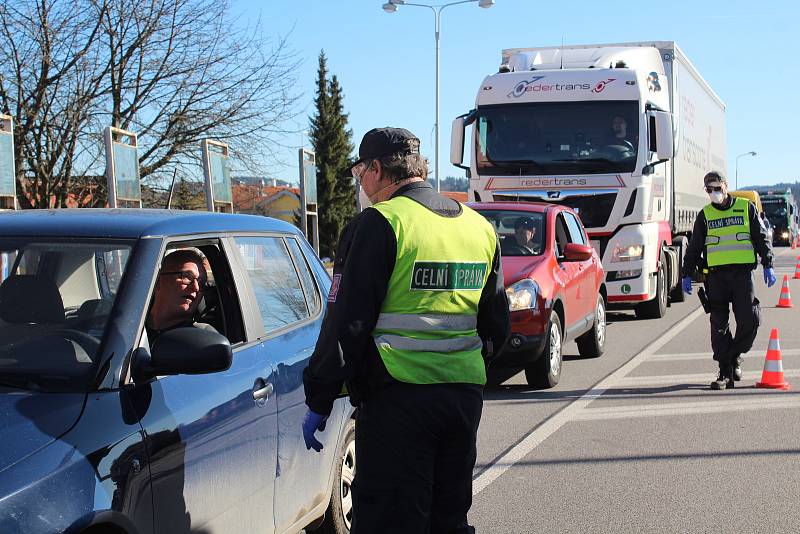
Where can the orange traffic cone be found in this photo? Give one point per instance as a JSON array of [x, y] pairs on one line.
[[797, 268], [785, 300], [772, 376]]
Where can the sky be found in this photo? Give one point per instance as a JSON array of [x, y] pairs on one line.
[[747, 51]]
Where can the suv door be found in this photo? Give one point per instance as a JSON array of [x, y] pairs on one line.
[[213, 444], [567, 275], [289, 303], [586, 272]]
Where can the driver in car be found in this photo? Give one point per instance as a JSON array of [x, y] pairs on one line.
[[179, 288], [525, 234], [619, 133]]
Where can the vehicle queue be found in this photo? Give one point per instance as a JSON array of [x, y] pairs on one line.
[[177, 345]]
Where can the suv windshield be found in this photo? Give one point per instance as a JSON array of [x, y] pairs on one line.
[[557, 138], [521, 233], [55, 299]]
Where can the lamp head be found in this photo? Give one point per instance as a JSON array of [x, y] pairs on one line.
[[753, 154], [486, 3], [390, 7]]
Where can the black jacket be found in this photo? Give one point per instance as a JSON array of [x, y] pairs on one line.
[[697, 244], [345, 351]]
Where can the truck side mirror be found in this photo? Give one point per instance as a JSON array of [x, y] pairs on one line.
[[457, 136], [457, 141], [660, 141]]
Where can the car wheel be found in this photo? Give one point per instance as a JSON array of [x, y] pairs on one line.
[[593, 343], [545, 372], [339, 514], [656, 308]]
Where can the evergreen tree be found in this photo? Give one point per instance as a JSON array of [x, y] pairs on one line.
[[332, 144]]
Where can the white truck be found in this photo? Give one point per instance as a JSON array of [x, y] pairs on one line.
[[622, 133]]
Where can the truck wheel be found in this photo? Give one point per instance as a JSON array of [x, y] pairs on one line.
[[593, 343], [339, 515], [545, 372], [656, 308], [677, 294]]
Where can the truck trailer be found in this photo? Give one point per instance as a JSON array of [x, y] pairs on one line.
[[621, 133]]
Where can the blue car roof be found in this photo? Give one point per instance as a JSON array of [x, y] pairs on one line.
[[130, 223]]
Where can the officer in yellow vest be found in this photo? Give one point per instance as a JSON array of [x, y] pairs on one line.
[[727, 234], [416, 305]]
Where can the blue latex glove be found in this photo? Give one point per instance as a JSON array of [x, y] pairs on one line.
[[769, 277], [686, 282], [311, 423]]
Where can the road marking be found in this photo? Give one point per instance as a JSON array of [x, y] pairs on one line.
[[708, 356], [687, 408], [568, 413], [698, 378]]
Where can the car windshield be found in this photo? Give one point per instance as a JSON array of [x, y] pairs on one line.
[[55, 300], [557, 138], [521, 233]]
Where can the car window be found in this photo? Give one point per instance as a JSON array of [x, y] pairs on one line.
[[276, 285], [575, 231], [313, 299], [562, 236], [211, 301], [55, 300]]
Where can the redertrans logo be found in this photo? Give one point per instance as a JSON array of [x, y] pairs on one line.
[[535, 86]]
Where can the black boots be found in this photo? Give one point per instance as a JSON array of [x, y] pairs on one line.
[[724, 380], [737, 368]]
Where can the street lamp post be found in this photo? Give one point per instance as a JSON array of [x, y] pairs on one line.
[[751, 153], [391, 7]]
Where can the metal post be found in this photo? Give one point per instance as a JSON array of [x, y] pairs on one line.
[[436, 152]]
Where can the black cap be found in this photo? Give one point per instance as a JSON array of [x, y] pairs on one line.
[[381, 142], [524, 222], [714, 177]]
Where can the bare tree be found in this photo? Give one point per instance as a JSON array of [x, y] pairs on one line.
[[173, 71]]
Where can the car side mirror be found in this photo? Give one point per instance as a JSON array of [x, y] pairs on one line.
[[187, 351], [577, 252]]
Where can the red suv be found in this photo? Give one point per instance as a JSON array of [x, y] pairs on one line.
[[555, 286]]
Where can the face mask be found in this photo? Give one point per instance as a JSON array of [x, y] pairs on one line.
[[363, 199], [717, 197]]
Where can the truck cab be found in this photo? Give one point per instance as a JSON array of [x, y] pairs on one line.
[[610, 132]]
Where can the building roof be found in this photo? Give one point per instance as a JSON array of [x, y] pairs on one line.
[[461, 196], [246, 197]]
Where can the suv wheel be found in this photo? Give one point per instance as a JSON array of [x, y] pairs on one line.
[[339, 515], [545, 372], [593, 343]]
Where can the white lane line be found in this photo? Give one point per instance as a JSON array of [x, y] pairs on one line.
[[699, 378], [687, 408], [707, 355], [550, 426]]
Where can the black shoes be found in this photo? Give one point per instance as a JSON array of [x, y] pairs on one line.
[[723, 381], [737, 369]]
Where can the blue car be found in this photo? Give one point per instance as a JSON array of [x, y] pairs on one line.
[[198, 430]]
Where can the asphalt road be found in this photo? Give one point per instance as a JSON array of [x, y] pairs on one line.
[[635, 441]]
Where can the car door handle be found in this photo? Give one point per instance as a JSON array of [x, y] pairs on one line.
[[263, 392]]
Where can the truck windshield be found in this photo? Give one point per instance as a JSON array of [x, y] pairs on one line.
[[55, 300], [775, 209], [557, 138]]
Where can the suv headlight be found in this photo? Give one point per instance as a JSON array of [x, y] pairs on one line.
[[627, 253], [522, 295]]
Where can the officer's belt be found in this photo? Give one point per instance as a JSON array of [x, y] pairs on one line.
[[426, 322]]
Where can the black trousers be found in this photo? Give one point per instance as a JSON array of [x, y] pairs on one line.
[[726, 287], [415, 452]]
